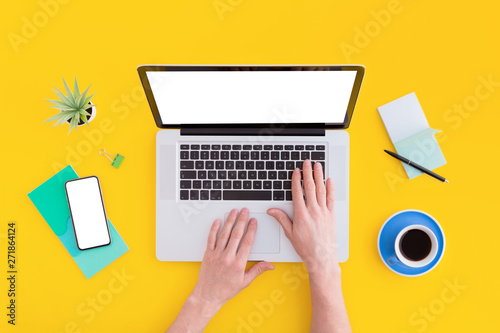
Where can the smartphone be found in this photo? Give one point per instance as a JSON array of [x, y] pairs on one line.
[[88, 213]]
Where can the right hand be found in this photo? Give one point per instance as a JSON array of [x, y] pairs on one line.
[[312, 232]]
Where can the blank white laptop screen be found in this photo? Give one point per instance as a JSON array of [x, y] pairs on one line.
[[243, 97]]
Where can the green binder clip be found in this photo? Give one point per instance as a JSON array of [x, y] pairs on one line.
[[117, 159]]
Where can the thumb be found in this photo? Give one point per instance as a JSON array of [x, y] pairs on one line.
[[282, 218], [257, 270]]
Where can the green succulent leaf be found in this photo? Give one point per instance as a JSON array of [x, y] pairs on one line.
[[87, 100], [63, 98], [76, 90], [68, 91]]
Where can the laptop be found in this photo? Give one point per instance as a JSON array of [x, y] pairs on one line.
[[230, 137]]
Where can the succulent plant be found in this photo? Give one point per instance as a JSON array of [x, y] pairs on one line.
[[73, 106]]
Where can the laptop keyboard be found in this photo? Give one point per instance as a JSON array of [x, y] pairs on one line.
[[242, 172]]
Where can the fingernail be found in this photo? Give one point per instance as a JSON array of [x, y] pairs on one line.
[[296, 170], [253, 221], [307, 162]]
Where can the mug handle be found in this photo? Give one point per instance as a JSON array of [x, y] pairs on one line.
[[393, 260]]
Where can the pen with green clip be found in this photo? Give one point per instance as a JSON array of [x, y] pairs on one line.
[[416, 166]]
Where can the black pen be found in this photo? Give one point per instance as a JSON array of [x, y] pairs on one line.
[[416, 166]]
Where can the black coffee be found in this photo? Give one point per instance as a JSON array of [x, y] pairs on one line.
[[415, 245]]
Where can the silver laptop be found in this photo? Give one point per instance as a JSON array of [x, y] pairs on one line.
[[230, 138]]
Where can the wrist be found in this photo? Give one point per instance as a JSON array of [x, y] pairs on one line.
[[205, 307], [327, 273]]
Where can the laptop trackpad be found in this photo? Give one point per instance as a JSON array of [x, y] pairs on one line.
[[267, 238]]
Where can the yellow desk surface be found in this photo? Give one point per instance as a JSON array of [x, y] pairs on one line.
[[446, 52]]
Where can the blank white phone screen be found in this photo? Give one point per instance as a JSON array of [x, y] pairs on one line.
[[211, 97], [87, 212]]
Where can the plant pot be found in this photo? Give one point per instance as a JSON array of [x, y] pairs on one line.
[[90, 110]]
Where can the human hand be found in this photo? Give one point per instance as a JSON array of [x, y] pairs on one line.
[[222, 273], [312, 232]]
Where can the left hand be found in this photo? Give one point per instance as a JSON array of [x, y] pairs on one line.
[[222, 273]]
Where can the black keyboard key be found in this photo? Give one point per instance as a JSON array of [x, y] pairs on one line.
[[285, 155], [290, 174], [222, 175], [287, 185], [212, 175], [268, 185], [323, 165], [236, 147], [205, 155], [226, 184], [278, 147], [269, 165], [207, 184], [195, 155], [257, 147], [290, 165], [185, 184], [200, 164], [252, 174], [257, 185], [194, 195], [209, 164], [188, 174], [262, 174], [305, 155], [249, 165], [215, 147], [184, 146], [299, 147], [268, 147], [219, 164], [197, 184], [259, 165], [279, 195], [245, 155], [184, 195], [288, 195], [280, 165], [237, 184], [240, 165], [184, 155], [204, 194], [242, 175], [187, 165], [215, 195], [247, 195], [318, 156], [216, 184], [195, 147], [277, 185], [254, 155], [235, 155], [298, 165], [202, 174], [295, 155], [231, 174], [320, 147], [288, 147], [214, 155], [205, 147], [264, 155], [309, 147], [229, 165], [224, 155], [247, 185], [272, 175], [275, 155], [226, 147], [282, 175], [247, 147]]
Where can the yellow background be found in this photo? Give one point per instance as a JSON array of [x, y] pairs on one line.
[[437, 49]]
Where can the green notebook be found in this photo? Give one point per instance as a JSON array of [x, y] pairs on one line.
[[50, 200]]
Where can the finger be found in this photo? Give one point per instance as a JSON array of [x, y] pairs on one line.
[[282, 218], [309, 187], [226, 230], [320, 186], [212, 235], [297, 193], [257, 270], [330, 194], [247, 241], [237, 233]]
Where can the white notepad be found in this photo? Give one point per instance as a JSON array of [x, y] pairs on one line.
[[410, 133]]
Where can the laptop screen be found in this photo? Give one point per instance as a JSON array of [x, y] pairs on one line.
[[252, 95]]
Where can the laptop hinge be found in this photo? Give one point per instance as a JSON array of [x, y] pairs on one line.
[[267, 131]]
